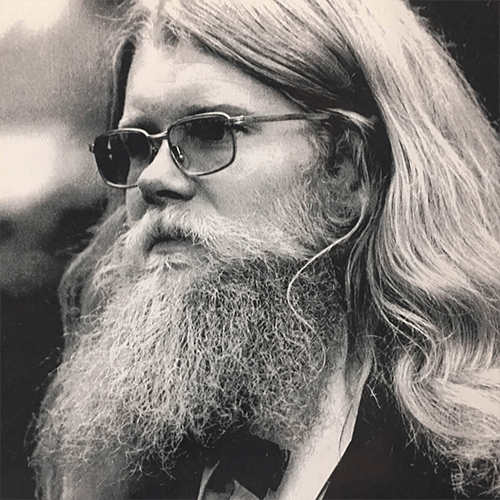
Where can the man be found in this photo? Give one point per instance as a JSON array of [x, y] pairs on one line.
[[304, 236]]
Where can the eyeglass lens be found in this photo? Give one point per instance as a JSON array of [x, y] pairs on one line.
[[199, 146]]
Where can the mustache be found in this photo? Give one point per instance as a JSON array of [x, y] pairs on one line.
[[223, 237], [161, 231]]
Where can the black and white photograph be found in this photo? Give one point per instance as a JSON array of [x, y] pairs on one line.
[[249, 249]]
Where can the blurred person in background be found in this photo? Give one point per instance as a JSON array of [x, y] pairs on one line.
[[301, 256], [49, 109]]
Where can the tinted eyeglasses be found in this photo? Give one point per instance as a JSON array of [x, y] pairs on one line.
[[199, 145]]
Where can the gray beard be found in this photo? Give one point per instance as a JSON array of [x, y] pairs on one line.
[[174, 356]]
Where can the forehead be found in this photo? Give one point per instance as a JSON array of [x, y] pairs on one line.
[[180, 80]]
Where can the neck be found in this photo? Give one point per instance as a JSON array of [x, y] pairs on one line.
[[311, 466]]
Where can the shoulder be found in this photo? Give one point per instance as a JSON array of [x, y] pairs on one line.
[[383, 462]]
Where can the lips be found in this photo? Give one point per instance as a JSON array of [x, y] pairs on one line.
[[170, 240]]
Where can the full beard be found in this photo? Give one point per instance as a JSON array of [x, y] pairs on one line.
[[186, 348]]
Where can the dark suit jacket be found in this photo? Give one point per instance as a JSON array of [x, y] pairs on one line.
[[380, 463]]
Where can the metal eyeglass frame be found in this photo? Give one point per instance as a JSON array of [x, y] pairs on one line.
[[155, 140]]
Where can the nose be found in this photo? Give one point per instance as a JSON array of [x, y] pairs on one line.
[[162, 182]]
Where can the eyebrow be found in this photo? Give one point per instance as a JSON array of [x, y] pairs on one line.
[[146, 122], [229, 109]]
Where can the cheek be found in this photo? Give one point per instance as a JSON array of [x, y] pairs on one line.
[[278, 158], [247, 196], [261, 175]]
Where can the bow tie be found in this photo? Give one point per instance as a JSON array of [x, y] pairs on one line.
[[258, 465]]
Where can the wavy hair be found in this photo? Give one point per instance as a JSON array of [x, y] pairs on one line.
[[423, 265]]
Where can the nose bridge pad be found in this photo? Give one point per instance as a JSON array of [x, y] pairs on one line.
[[155, 149], [175, 151], [178, 155]]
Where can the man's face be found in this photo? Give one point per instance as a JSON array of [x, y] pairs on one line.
[[166, 84]]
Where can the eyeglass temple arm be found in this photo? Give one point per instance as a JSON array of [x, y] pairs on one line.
[[236, 120], [352, 116]]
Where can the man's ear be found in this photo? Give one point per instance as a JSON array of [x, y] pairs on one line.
[[345, 174], [346, 189], [358, 168]]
